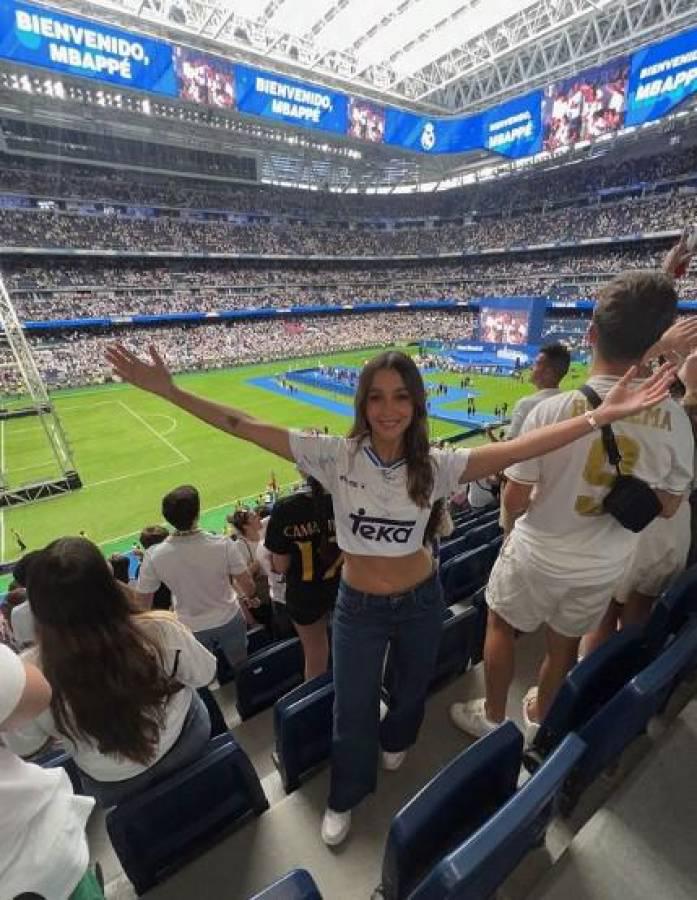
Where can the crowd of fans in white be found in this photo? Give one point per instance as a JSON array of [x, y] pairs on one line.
[[58, 290], [75, 358]]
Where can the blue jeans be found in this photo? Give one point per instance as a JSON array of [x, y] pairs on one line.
[[364, 626], [230, 638], [192, 741]]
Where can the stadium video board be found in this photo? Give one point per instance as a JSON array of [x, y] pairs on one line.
[[628, 91], [511, 321], [287, 100], [63, 43], [585, 106], [662, 76]]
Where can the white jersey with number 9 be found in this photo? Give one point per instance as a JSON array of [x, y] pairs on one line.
[[565, 528]]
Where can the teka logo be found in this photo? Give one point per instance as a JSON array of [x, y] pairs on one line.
[[388, 530], [428, 136]]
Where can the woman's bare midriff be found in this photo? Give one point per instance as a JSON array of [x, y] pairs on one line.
[[387, 575]]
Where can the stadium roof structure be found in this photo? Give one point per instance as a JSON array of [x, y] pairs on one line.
[[441, 56]]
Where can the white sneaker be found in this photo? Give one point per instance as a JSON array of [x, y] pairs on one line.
[[335, 826], [531, 727], [392, 761], [471, 718]]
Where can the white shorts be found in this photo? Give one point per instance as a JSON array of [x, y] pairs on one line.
[[527, 599], [660, 556]]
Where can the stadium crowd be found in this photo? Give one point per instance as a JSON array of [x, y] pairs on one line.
[[57, 290], [125, 689], [75, 357], [532, 188], [70, 230]]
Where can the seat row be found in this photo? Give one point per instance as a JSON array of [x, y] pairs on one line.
[[469, 827]]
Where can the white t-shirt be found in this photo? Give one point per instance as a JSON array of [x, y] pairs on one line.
[[43, 848], [195, 667], [373, 512], [22, 623], [564, 529], [524, 407], [196, 568]]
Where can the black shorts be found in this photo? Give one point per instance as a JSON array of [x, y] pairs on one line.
[[306, 604]]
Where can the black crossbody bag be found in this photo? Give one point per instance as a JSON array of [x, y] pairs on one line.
[[631, 501]]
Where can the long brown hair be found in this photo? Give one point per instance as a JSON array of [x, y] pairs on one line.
[[416, 446], [109, 684]]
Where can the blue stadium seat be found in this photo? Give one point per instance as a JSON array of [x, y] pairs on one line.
[[303, 729], [482, 534], [452, 806], [465, 574], [672, 610], [627, 714], [475, 869], [589, 685], [157, 831], [456, 642], [452, 547], [296, 885], [58, 758], [268, 675], [258, 637]]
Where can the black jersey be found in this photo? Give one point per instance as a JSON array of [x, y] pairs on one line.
[[295, 528]]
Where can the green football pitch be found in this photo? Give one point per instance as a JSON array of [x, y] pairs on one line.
[[131, 448]]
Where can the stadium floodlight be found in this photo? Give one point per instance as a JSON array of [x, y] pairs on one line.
[[33, 401]]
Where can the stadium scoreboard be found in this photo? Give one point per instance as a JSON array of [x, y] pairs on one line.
[[631, 90]]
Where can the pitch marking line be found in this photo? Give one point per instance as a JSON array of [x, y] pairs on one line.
[[93, 484], [182, 456]]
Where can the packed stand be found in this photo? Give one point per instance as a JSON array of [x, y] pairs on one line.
[[69, 359]]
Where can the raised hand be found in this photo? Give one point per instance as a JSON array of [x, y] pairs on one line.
[[679, 340], [153, 377], [623, 400], [678, 258]]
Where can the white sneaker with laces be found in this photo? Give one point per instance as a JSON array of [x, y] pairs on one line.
[[335, 826], [392, 761], [531, 727], [471, 717]]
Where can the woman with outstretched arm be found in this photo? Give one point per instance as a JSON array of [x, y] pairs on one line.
[[384, 479]]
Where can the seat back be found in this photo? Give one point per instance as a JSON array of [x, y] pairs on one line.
[[451, 548], [268, 675], [672, 611], [155, 832], [450, 808], [296, 885], [482, 534], [303, 721], [589, 685], [464, 574], [456, 641], [627, 714], [476, 868]]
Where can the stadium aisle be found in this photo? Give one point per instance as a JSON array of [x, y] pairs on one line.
[[620, 852]]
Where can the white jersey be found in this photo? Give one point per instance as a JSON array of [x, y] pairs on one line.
[[373, 512], [43, 848], [524, 407], [197, 568], [565, 529]]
